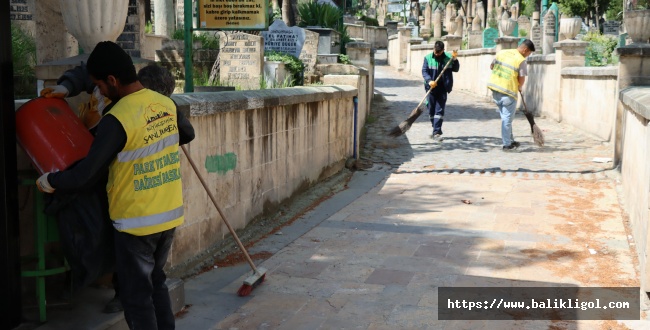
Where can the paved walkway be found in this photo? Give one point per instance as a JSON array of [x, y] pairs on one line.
[[429, 215], [461, 213]]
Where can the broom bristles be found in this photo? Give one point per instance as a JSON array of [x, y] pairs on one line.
[[406, 124], [538, 136]]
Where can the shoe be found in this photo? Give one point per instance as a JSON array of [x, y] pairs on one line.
[[511, 147], [113, 306], [437, 137], [516, 144]]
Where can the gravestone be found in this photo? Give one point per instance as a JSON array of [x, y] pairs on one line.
[[536, 34], [437, 24], [524, 24], [489, 37], [309, 51], [371, 12], [242, 59], [19, 10], [548, 37], [480, 11], [475, 39], [460, 22], [612, 27], [284, 39], [476, 24]]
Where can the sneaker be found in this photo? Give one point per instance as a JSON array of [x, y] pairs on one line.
[[516, 144], [113, 306], [437, 137], [511, 147]]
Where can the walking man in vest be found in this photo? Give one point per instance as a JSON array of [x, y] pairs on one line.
[[137, 141], [509, 73], [431, 69]]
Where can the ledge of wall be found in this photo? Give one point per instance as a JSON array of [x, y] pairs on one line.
[[550, 58], [422, 46], [392, 36], [477, 51], [638, 99], [202, 104], [609, 71]]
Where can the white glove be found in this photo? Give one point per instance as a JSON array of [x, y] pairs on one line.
[[43, 185], [58, 91]]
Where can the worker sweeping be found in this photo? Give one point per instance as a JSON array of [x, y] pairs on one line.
[[509, 71], [437, 99]]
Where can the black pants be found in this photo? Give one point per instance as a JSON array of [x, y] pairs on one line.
[[437, 101], [144, 295]]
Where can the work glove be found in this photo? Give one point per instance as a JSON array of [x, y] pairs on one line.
[[433, 84], [58, 91], [43, 185], [454, 54], [91, 112]]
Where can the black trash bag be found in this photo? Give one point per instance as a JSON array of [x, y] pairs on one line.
[[86, 232]]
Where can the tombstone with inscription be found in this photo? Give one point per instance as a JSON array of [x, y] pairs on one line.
[[284, 39], [489, 37], [242, 59], [309, 51], [475, 39], [524, 24], [612, 28], [437, 23], [536, 34], [548, 37]]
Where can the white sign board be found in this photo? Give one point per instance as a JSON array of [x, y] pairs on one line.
[[396, 7]]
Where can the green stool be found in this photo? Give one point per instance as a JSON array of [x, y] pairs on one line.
[[45, 231]]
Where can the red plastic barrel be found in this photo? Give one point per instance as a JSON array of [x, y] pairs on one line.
[[51, 134]]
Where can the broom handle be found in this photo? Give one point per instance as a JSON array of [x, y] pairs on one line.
[[223, 217], [430, 89], [523, 102]]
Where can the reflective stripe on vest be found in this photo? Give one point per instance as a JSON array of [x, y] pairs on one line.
[[505, 72], [145, 192], [147, 221], [127, 156]]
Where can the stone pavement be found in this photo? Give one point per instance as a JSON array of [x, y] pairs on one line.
[[425, 215], [429, 215]]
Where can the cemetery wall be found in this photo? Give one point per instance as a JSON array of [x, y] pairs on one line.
[[635, 112], [377, 36], [593, 113], [542, 87], [474, 61], [257, 149], [394, 50]]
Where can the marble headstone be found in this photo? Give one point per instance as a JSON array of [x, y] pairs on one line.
[[242, 59], [284, 39]]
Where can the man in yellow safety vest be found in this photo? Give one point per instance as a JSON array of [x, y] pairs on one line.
[[509, 71], [137, 141]]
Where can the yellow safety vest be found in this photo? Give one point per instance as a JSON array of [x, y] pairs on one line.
[[145, 193], [505, 73]]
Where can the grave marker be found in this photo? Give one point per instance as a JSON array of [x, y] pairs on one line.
[[242, 59], [612, 27], [309, 51], [284, 39], [489, 37]]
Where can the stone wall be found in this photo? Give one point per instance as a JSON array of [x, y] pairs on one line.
[[377, 36], [257, 149]]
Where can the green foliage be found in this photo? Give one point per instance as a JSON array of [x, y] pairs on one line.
[[312, 13], [370, 21], [523, 33], [148, 28], [528, 7], [23, 53], [493, 21], [292, 63], [178, 34], [572, 8], [208, 41], [344, 59], [642, 4], [615, 10], [600, 49]]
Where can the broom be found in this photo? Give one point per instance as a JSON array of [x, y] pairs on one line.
[[535, 131], [258, 273], [406, 125]]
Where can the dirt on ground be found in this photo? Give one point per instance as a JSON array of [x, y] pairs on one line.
[[226, 253]]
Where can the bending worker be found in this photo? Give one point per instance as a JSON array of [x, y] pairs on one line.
[[431, 69]]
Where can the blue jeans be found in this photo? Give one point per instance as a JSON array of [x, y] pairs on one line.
[[436, 103], [507, 106], [144, 295]]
